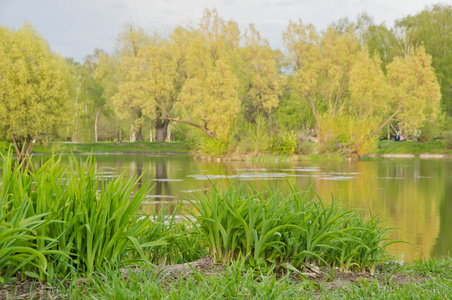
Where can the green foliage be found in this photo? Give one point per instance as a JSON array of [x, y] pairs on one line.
[[89, 220], [35, 80], [285, 144], [292, 230], [180, 245], [431, 28], [215, 147], [429, 131], [4, 145], [254, 137], [17, 241], [349, 134]]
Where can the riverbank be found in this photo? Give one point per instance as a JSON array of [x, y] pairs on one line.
[[434, 148], [389, 149], [113, 148]]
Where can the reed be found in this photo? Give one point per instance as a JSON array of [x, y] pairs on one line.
[[88, 220]]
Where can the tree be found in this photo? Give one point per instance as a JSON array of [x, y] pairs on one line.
[[409, 94], [432, 28], [35, 87], [321, 65], [370, 92], [258, 71], [128, 102], [417, 92]]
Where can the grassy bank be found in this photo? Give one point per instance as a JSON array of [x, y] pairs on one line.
[[113, 147], [70, 232], [412, 147]]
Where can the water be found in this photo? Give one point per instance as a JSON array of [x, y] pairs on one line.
[[412, 194]]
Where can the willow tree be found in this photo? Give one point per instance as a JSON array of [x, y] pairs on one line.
[[34, 89], [370, 91], [322, 65], [432, 28], [409, 94], [417, 91], [129, 104], [209, 95], [150, 82], [258, 71]]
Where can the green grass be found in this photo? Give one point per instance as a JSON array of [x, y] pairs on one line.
[[289, 231], [238, 282], [73, 217], [113, 147], [412, 147]]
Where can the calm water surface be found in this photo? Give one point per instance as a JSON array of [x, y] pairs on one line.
[[412, 194]]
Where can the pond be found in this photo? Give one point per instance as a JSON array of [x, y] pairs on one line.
[[414, 195]]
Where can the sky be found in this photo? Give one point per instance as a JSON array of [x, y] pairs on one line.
[[74, 28]]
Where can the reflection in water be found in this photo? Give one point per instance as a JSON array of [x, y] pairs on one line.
[[161, 184], [412, 194], [444, 242]]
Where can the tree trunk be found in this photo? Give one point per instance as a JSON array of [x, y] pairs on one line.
[[161, 129], [23, 150], [314, 112], [95, 126], [139, 137], [168, 134], [139, 133]]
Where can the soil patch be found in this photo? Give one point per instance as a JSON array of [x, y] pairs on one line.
[[28, 289]]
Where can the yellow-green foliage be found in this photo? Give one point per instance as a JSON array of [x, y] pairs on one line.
[[286, 143], [355, 134], [215, 147], [34, 87]]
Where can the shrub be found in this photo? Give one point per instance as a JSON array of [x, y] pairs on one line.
[[354, 134], [429, 131], [215, 147], [255, 137]]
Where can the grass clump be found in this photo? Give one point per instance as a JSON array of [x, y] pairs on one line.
[[69, 219], [289, 231]]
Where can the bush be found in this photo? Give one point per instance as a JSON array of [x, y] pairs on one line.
[[429, 131], [349, 134], [285, 144], [215, 147]]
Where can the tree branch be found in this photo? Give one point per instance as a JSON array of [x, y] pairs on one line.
[[207, 131], [15, 145], [386, 122]]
